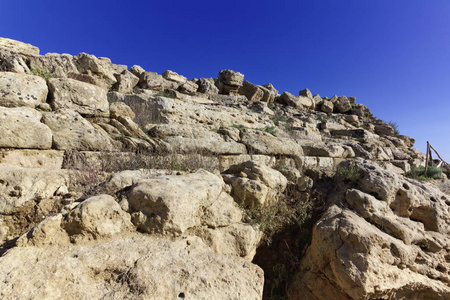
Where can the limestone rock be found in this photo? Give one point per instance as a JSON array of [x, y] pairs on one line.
[[251, 91], [126, 81], [28, 158], [97, 217], [10, 61], [22, 90], [306, 93], [137, 71], [255, 184], [72, 132], [57, 65], [184, 267], [188, 87], [229, 82], [172, 76], [120, 109], [19, 185], [327, 106], [343, 104], [153, 81], [172, 204], [100, 68], [206, 86], [21, 48], [260, 142], [84, 98], [389, 239], [20, 127]]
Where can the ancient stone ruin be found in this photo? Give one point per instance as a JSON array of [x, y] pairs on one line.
[[120, 183]]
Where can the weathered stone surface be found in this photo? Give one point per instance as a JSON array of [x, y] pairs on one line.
[[126, 81], [306, 93], [260, 142], [188, 87], [10, 61], [251, 91], [153, 81], [22, 90], [20, 127], [84, 98], [207, 86], [97, 217], [172, 204], [229, 82], [343, 104], [71, 131], [328, 150], [173, 76], [327, 106], [390, 241], [100, 68], [137, 71], [19, 47], [120, 109], [19, 185], [45, 159], [300, 102], [186, 139], [101, 270], [57, 65], [255, 184]]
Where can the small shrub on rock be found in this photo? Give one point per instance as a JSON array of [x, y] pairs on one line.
[[350, 173], [418, 173]]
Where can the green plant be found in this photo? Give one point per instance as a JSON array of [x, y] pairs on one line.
[[395, 127], [269, 129], [277, 118], [433, 172], [238, 126], [288, 127], [349, 173], [167, 94], [41, 73]]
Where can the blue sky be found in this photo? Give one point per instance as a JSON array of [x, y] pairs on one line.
[[394, 56]]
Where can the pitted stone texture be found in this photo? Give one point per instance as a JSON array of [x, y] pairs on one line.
[[72, 132], [20, 127], [22, 90], [84, 98], [58, 65], [19, 47]]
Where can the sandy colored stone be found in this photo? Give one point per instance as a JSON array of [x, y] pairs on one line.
[[20, 127], [84, 98], [45, 159], [57, 65], [120, 109], [19, 47], [71, 131], [22, 90]]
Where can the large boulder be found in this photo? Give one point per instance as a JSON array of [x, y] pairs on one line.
[[172, 204], [251, 91], [22, 90], [57, 65], [153, 81], [125, 267], [10, 61], [21, 48], [172, 76], [300, 102], [384, 237], [72, 132], [84, 98], [229, 82], [21, 127], [101, 68], [20, 185], [255, 184], [126, 81], [97, 217], [207, 86]]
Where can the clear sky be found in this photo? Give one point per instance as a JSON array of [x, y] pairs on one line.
[[393, 55]]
